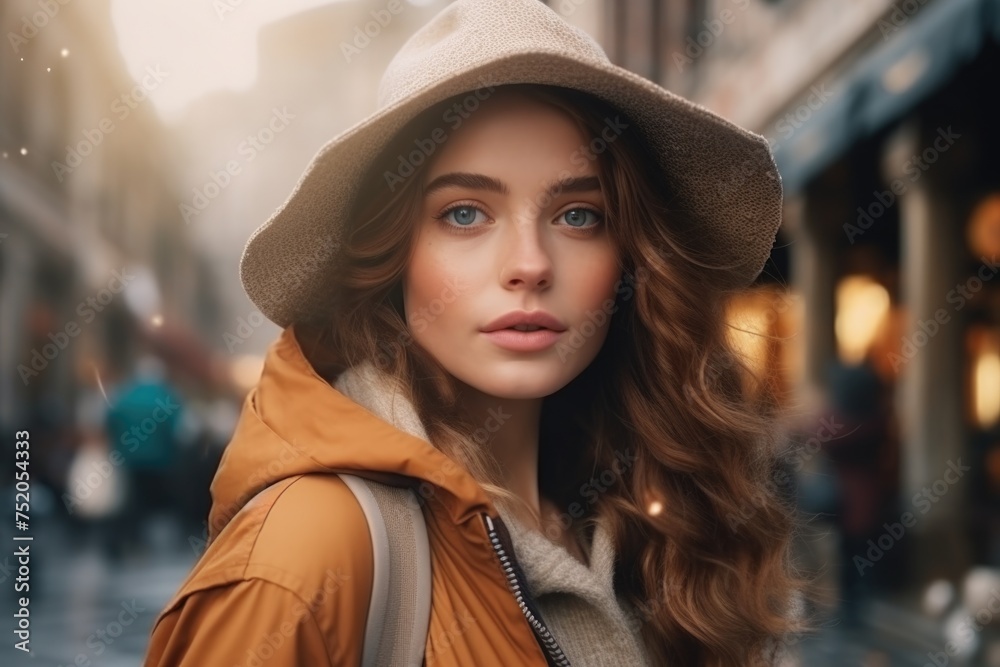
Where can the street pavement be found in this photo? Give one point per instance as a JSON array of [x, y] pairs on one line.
[[88, 612]]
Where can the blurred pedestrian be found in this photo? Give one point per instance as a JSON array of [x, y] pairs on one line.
[[142, 424], [859, 452]]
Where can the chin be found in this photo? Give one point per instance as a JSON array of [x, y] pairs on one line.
[[514, 379]]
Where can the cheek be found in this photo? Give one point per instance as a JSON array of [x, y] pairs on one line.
[[434, 284], [595, 279]]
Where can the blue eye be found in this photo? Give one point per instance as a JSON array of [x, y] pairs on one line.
[[577, 217], [464, 215]]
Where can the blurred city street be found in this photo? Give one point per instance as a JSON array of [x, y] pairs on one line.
[[88, 610], [142, 143], [83, 596]]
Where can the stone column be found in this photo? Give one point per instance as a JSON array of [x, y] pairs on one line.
[[917, 171], [813, 274]]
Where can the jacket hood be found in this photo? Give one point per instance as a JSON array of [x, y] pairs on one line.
[[294, 422]]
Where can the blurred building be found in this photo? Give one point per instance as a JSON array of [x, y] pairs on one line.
[[882, 116], [318, 73], [93, 250]]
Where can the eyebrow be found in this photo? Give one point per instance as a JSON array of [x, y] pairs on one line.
[[488, 183]]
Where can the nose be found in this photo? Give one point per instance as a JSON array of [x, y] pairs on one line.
[[526, 264]]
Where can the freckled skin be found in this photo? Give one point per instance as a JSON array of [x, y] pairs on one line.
[[523, 251]]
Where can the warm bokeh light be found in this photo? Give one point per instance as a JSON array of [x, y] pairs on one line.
[[245, 370], [986, 374], [862, 305], [655, 508], [748, 317], [984, 227]]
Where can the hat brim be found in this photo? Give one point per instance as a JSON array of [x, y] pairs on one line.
[[722, 175]]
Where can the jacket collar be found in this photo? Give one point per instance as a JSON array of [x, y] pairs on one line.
[[293, 422]]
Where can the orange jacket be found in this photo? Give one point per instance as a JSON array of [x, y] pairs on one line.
[[274, 590]]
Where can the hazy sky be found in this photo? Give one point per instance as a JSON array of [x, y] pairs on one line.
[[202, 45]]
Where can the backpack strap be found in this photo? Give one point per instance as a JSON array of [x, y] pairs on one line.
[[399, 611]]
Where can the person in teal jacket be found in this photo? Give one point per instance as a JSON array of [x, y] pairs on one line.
[[142, 424]]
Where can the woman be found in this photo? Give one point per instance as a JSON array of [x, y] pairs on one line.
[[507, 286]]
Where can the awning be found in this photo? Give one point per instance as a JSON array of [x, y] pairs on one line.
[[919, 54]]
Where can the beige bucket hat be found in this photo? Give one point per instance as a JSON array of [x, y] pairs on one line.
[[723, 176]]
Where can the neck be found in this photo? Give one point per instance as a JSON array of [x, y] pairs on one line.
[[511, 434], [511, 428]]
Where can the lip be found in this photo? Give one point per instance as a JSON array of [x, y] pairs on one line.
[[523, 341], [515, 317]]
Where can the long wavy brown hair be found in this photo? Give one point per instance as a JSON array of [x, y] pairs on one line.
[[702, 537]]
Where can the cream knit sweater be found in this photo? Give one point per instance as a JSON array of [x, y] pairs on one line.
[[594, 626]]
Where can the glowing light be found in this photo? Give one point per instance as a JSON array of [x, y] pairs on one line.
[[749, 317], [24, 151], [64, 53], [862, 306], [245, 370], [983, 233], [987, 388], [156, 320], [655, 508], [48, 69]]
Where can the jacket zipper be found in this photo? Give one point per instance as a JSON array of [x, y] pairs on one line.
[[554, 652]]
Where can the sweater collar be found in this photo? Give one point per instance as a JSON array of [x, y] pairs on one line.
[[548, 566]]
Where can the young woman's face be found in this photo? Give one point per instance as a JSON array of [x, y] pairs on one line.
[[490, 240]]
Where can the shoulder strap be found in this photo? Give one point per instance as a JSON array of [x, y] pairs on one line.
[[399, 612]]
